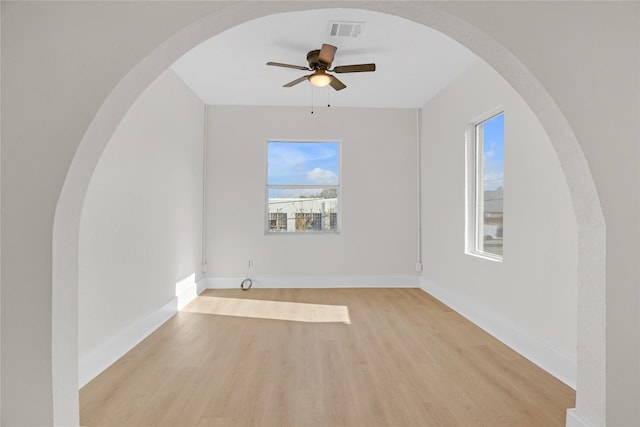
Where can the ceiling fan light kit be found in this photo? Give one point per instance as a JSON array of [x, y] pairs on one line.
[[320, 79], [320, 63]]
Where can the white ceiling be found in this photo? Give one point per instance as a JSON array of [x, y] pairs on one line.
[[413, 62]]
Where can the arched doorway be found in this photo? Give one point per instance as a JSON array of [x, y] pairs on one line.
[[591, 257]]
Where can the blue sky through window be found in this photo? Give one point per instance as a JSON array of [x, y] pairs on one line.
[[303, 163], [493, 152]]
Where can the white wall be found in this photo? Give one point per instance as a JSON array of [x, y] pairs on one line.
[[559, 42], [378, 205], [71, 69], [0, 212], [534, 288], [140, 232]]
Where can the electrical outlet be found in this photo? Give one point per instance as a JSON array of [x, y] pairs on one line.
[[250, 262], [418, 267]]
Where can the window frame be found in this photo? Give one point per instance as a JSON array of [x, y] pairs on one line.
[[338, 211], [474, 196]]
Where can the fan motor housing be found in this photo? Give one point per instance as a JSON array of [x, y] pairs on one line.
[[313, 58]]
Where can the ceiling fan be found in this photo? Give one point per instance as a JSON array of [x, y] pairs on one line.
[[320, 63]]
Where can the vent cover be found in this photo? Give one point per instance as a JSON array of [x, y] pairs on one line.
[[345, 28]]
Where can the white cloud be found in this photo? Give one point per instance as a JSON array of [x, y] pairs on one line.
[[491, 151], [321, 176]]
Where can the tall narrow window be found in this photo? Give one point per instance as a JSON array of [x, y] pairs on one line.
[[303, 187], [486, 221]]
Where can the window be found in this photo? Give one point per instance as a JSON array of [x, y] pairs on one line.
[[303, 187], [308, 221], [278, 221], [485, 172]]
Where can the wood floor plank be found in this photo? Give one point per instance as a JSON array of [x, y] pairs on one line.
[[400, 359]]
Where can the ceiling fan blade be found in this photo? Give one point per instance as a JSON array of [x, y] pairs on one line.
[[279, 64], [357, 68], [296, 81], [327, 52], [336, 84]]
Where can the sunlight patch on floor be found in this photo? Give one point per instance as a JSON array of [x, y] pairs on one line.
[[274, 310]]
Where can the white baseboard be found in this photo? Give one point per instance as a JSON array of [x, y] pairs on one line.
[[315, 282], [538, 352], [99, 359], [201, 286], [573, 420]]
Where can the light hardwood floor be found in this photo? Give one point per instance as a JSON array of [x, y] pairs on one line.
[[349, 357]]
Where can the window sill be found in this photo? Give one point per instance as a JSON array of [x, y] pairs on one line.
[[485, 255], [302, 233]]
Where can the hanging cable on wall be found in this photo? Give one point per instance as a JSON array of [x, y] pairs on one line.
[[205, 131], [246, 284], [311, 99], [419, 265]]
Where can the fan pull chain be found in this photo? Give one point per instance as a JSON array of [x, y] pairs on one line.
[[311, 99], [328, 97]]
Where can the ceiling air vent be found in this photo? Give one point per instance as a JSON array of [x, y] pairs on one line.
[[345, 28]]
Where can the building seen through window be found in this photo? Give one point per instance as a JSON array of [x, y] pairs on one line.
[[303, 187]]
